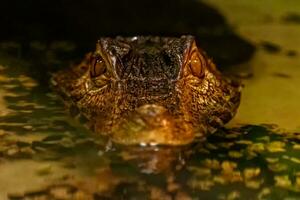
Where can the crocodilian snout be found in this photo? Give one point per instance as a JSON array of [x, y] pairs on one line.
[[152, 124]]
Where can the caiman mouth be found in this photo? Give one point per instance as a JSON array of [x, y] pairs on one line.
[[153, 124]]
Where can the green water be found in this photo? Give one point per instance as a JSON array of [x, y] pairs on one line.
[[45, 154]]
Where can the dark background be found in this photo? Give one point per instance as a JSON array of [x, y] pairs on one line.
[[83, 22]]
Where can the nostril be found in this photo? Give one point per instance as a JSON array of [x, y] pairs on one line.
[[151, 110]]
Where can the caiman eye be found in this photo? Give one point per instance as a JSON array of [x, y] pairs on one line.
[[98, 66], [197, 64]]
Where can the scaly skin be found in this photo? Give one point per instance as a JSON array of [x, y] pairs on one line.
[[149, 90]]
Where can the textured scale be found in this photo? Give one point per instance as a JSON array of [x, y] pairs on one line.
[[150, 90]]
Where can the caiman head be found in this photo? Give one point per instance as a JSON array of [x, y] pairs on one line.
[[150, 90]]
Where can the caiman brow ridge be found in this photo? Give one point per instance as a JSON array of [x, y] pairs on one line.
[[149, 89]]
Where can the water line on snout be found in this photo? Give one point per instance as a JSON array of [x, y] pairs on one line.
[[149, 124]]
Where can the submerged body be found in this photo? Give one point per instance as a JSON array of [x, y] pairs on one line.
[[149, 90]]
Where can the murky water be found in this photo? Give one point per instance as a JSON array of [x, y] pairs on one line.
[[45, 154]]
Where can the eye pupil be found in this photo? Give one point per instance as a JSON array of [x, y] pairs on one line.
[[97, 66]]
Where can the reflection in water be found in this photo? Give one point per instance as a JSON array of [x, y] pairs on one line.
[[247, 162]]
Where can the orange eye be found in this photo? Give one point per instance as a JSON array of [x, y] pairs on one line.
[[98, 66], [197, 64]]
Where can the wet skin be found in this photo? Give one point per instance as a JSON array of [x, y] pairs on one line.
[[149, 90]]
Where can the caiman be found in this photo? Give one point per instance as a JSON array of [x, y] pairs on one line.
[[149, 90]]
